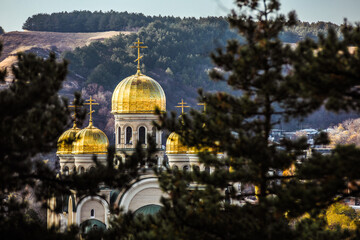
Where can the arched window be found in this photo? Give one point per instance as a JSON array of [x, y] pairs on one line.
[[119, 135], [128, 135], [196, 167], [66, 170], [92, 169], [175, 167], [142, 135], [185, 168], [92, 213], [81, 170]]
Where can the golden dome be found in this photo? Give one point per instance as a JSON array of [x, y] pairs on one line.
[[65, 142], [138, 94], [174, 145], [193, 150], [91, 140]]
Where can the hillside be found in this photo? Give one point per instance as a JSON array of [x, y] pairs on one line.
[[178, 54], [42, 43]]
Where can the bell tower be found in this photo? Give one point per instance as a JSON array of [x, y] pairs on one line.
[[134, 101]]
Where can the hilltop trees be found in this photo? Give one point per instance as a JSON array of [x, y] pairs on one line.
[[210, 206], [86, 21], [98, 21]]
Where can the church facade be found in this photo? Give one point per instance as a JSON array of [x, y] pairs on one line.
[[133, 105]]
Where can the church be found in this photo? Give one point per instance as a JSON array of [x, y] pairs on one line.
[[133, 105]]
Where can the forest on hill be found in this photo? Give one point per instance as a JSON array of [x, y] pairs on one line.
[[177, 55], [98, 21]]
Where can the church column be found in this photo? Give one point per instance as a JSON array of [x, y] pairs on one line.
[[160, 161], [135, 137], [160, 138]]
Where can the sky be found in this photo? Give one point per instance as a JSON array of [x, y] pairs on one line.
[[13, 13]]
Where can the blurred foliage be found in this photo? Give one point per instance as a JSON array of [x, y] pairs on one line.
[[343, 216], [346, 132]]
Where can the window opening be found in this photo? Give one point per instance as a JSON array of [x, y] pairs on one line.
[[142, 135], [66, 170], [119, 135], [128, 135]]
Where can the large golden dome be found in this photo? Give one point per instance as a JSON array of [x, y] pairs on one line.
[[138, 94], [65, 142], [174, 145], [91, 140]]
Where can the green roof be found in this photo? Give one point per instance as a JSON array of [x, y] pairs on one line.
[[148, 209], [92, 224]]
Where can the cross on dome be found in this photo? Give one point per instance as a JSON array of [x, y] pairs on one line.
[[75, 106], [91, 102], [182, 106], [139, 57], [203, 104]]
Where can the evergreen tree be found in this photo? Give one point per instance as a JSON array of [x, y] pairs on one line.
[[277, 83], [32, 118]]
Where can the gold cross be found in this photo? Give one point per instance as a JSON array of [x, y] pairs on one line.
[[202, 104], [91, 102], [139, 57], [182, 106], [75, 106]]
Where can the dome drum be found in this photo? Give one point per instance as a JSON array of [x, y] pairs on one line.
[[86, 160]]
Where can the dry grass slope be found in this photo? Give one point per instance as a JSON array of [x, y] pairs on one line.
[[14, 42]]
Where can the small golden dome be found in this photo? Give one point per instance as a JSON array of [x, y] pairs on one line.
[[193, 150], [91, 140], [174, 145], [65, 142], [138, 94]]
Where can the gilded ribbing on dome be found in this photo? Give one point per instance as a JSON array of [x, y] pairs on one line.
[[174, 145], [91, 140], [138, 94], [65, 142]]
